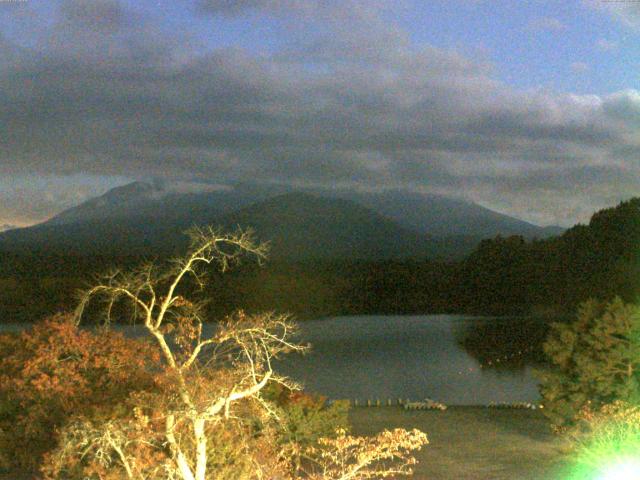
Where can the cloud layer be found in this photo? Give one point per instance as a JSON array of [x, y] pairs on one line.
[[105, 92]]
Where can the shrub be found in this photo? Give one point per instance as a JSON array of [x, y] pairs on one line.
[[304, 419], [54, 371]]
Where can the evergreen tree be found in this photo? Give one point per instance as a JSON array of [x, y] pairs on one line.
[[595, 360]]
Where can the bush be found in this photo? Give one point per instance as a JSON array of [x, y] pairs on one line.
[[304, 419], [595, 361], [604, 440], [54, 371]]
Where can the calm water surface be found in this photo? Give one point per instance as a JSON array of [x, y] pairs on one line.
[[399, 357], [402, 356]]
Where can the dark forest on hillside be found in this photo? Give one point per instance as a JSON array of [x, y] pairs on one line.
[[502, 276]]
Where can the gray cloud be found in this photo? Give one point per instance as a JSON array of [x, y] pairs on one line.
[[624, 106], [311, 8], [101, 16], [354, 104]]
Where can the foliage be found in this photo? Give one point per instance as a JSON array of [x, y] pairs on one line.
[[602, 439], [134, 445], [208, 415], [304, 419], [387, 455], [596, 360], [54, 370]]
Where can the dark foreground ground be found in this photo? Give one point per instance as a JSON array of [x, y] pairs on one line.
[[474, 443]]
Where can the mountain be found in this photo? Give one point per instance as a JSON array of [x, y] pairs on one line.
[[299, 226], [120, 201], [441, 216], [6, 226], [307, 226], [145, 201], [435, 215], [143, 218]]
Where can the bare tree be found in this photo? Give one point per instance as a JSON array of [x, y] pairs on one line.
[[208, 385], [242, 347]]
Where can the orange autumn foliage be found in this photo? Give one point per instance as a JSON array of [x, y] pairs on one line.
[[55, 370]]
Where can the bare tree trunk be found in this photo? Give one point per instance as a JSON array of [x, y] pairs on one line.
[[201, 448], [178, 456]]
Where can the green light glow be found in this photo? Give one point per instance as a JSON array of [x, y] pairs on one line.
[[623, 470], [609, 449]]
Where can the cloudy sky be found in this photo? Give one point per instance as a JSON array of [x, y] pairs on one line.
[[531, 108]]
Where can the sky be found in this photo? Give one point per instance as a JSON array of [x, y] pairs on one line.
[[531, 108]]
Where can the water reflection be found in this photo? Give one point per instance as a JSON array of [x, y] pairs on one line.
[[503, 343], [404, 357]]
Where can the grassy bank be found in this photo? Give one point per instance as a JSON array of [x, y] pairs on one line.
[[470, 443], [474, 443]]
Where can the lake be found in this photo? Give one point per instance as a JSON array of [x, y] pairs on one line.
[[361, 357], [403, 357]]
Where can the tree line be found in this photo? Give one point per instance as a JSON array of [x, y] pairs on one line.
[[502, 276]]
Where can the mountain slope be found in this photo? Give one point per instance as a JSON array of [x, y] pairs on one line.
[[155, 202], [299, 226], [119, 201], [441, 216], [141, 218], [435, 215], [306, 226]]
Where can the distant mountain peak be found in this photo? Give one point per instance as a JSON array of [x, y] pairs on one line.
[[124, 196], [140, 198], [134, 190]]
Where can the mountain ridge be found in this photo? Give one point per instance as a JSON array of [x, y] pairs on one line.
[[140, 216], [444, 216]]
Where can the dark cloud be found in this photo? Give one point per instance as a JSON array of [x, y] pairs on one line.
[[96, 16], [624, 106], [354, 103], [343, 9], [238, 7]]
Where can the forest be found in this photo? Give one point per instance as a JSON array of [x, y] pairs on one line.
[[502, 276]]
